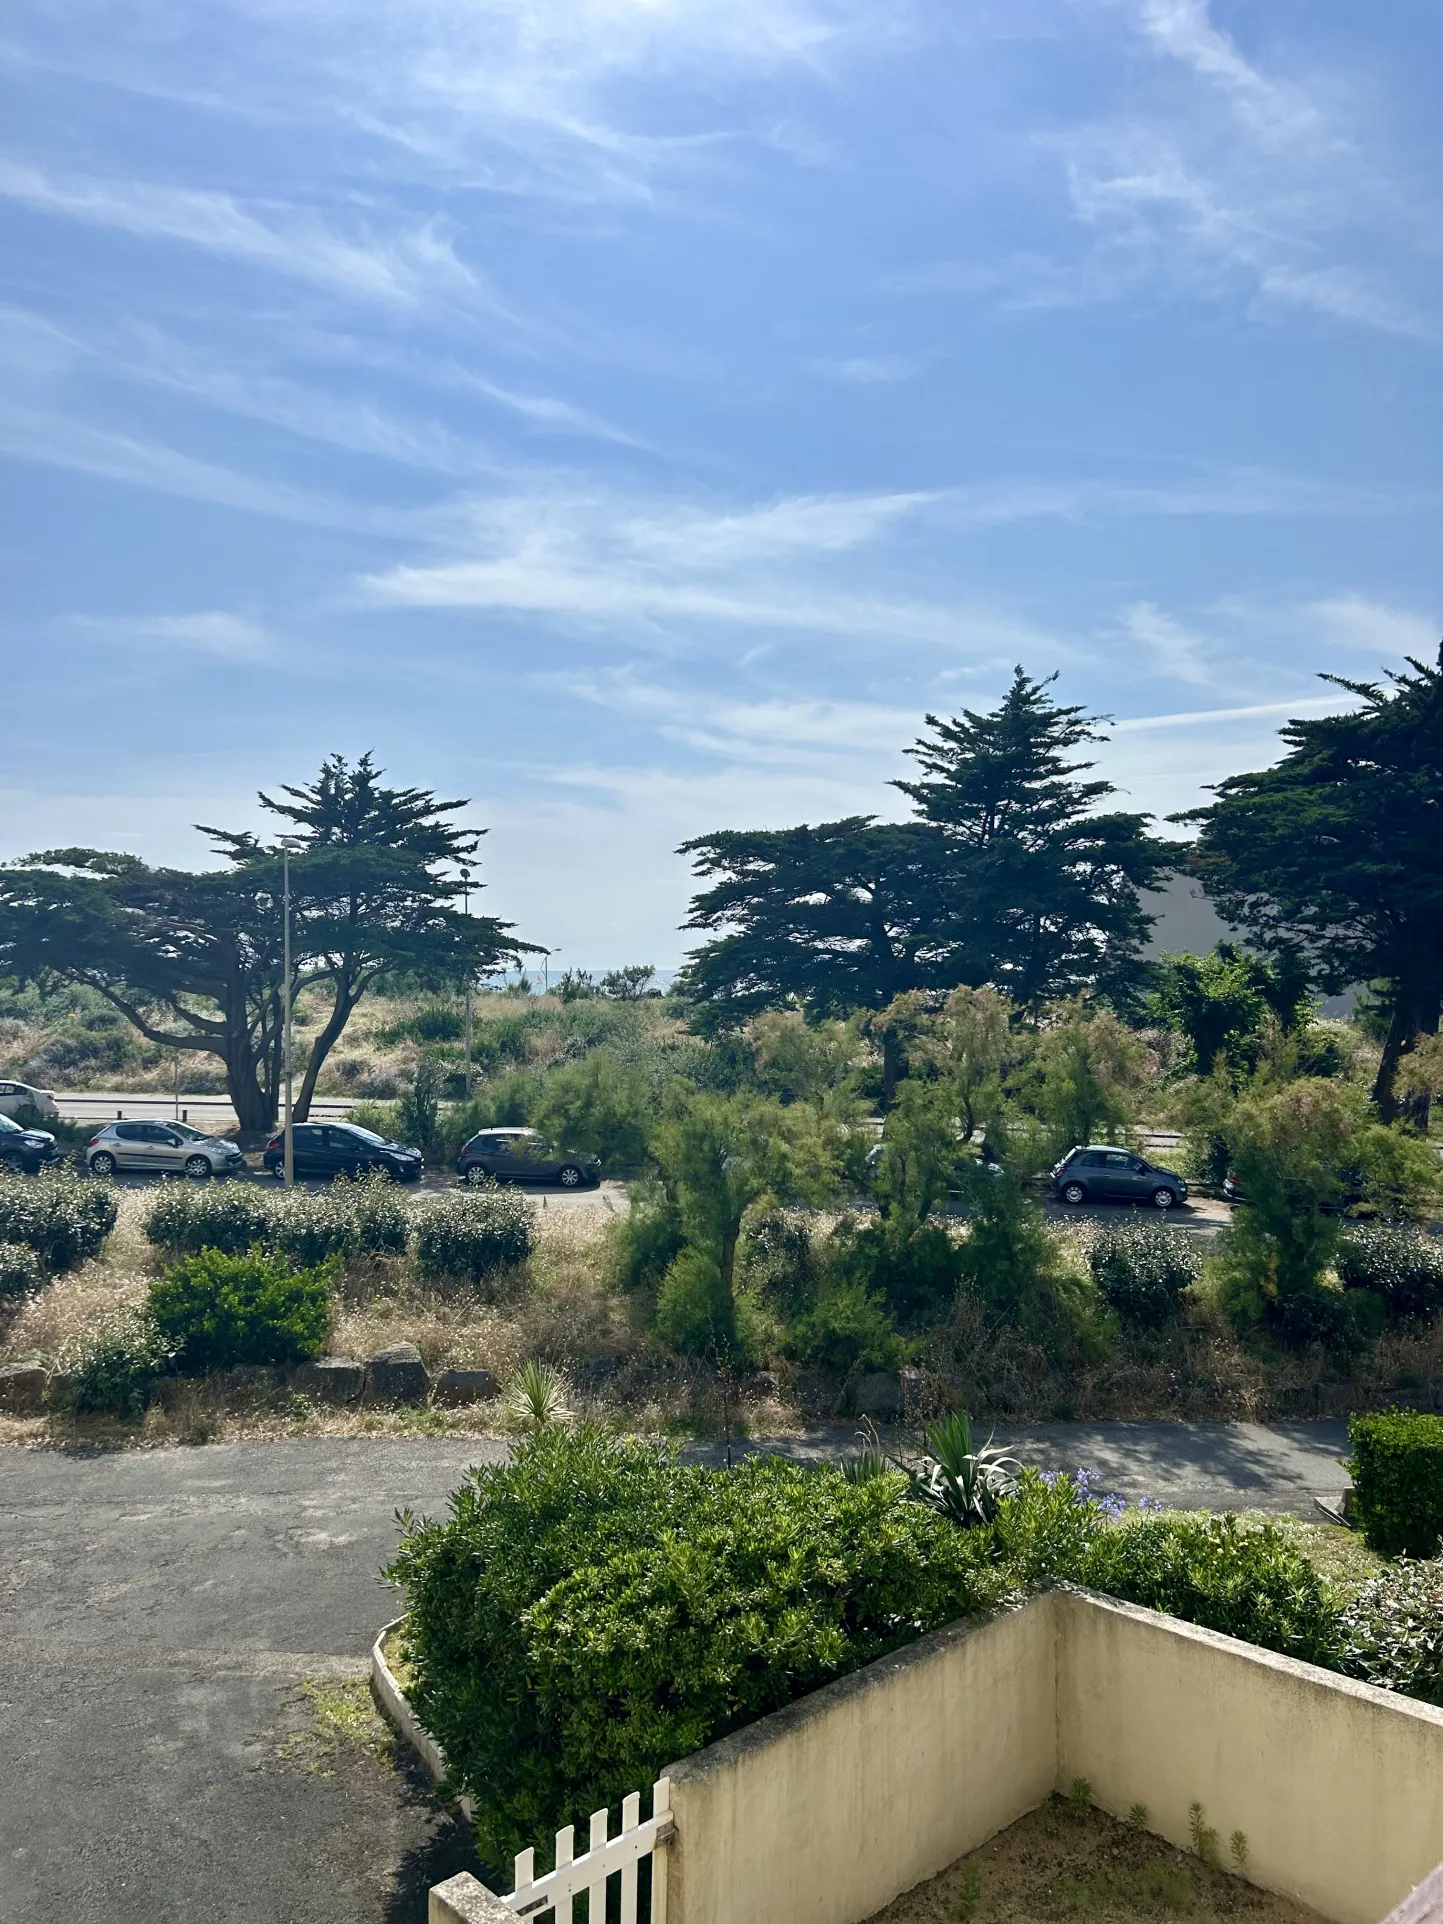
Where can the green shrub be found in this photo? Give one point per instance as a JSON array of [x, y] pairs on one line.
[[695, 1311], [594, 1609], [647, 1239], [1397, 1471], [309, 1226], [1015, 1267], [1391, 1633], [380, 1215], [1402, 1266], [115, 1369], [1248, 1582], [63, 1217], [20, 1271], [218, 1311], [186, 1218], [778, 1261], [847, 1329], [911, 1268], [475, 1234], [1141, 1271]]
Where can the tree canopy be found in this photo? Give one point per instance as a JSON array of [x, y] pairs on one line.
[[194, 959], [1336, 853], [1011, 875]]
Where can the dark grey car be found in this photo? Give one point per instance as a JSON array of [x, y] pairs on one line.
[[524, 1155], [1100, 1172]]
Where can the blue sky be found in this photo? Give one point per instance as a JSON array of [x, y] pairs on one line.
[[633, 414]]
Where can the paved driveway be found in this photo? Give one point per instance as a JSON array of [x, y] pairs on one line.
[[159, 1608]]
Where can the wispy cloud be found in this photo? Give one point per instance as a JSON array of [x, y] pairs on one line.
[[1377, 628], [286, 239], [210, 631], [870, 370], [1164, 645]]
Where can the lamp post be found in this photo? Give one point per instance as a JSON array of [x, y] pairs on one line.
[[290, 1150], [466, 908]]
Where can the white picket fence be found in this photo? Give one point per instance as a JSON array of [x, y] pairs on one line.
[[604, 1857]]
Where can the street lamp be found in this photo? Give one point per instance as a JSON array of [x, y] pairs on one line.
[[466, 909], [290, 1131]]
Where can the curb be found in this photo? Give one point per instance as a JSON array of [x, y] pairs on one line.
[[395, 1707]]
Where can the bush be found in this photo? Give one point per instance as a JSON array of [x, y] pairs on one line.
[[1397, 1471], [695, 1311], [778, 1261], [186, 1218], [647, 1239], [64, 1218], [1141, 1271], [1391, 1633], [309, 1226], [1402, 1266], [115, 1369], [594, 1609], [475, 1234], [218, 1311], [20, 1271], [1012, 1264], [380, 1216], [913, 1270], [847, 1329]]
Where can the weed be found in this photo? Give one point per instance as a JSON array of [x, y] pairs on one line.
[[1238, 1848], [341, 1717], [1079, 1797], [969, 1895], [1140, 1817], [1204, 1837], [1109, 1888]]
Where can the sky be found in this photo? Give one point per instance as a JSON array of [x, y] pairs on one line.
[[635, 415]]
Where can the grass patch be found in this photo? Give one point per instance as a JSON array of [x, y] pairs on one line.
[[338, 1721]]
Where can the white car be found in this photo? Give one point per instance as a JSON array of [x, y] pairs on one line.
[[15, 1096]]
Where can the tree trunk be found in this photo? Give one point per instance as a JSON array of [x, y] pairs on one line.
[[1415, 1013], [342, 1009], [892, 1067]]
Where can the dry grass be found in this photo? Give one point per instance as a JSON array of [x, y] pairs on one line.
[[1067, 1860]]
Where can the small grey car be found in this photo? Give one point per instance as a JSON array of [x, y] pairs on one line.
[[163, 1148], [1101, 1172]]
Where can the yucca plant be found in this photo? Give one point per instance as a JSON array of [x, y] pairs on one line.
[[535, 1397], [871, 1459], [959, 1481]]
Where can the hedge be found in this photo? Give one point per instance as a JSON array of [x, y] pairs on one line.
[[595, 1608], [64, 1218], [1142, 1270], [20, 1271], [1397, 1471], [474, 1235], [215, 1311], [1401, 1264]]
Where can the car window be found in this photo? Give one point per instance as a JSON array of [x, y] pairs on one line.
[[131, 1131], [1090, 1161], [1116, 1160], [307, 1136], [356, 1132], [1136, 1165], [9, 1127], [186, 1131], [486, 1146]]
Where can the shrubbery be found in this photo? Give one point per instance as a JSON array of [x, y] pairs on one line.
[[1403, 1266], [474, 1235], [186, 1218], [1397, 1471], [64, 1218], [1391, 1633], [594, 1609], [216, 1311], [115, 1369], [20, 1270], [1142, 1270]]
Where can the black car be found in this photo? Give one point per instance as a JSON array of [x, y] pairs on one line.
[[342, 1149], [28, 1149], [1101, 1173], [524, 1155]]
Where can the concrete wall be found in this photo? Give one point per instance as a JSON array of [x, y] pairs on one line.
[[823, 1812], [1338, 1787]]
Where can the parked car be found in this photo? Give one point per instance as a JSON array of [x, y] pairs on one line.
[[164, 1148], [27, 1149], [524, 1155], [342, 1149], [1354, 1191], [17, 1096], [1101, 1173]]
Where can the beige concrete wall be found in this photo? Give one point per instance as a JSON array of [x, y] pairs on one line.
[[823, 1812], [1338, 1787]]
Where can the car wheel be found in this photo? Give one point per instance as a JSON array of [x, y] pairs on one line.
[[1074, 1193], [569, 1176], [198, 1168], [102, 1164], [1164, 1198], [474, 1176]]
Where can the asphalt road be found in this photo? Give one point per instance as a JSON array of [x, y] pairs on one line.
[[159, 1609]]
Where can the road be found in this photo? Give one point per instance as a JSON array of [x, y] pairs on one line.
[[159, 1608]]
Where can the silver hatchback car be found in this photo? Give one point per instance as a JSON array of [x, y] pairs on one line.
[[165, 1148]]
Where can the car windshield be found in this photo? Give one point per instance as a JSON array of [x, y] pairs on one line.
[[366, 1135], [190, 1133], [9, 1128]]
